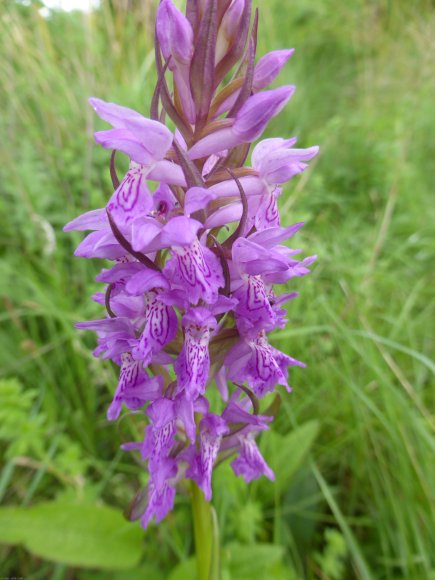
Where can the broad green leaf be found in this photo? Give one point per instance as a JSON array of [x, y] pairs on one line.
[[255, 561], [145, 572], [185, 570], [242, 562], [85, 535], [286, 454], [303, 490]]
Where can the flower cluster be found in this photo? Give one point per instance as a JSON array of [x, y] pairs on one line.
[[196, 246]]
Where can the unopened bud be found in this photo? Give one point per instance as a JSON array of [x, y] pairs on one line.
[[269, 67], [253, 117], [175, 34], [229, 28]]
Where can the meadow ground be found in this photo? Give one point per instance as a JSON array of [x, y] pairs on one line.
[[353, 447]]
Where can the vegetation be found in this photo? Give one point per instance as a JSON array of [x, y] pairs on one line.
[[353, 447]]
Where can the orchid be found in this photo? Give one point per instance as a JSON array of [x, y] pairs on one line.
[[191, 293]]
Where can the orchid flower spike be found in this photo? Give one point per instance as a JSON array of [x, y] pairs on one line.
[[197, 250]]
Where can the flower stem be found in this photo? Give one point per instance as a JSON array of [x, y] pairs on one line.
[[206, 533]]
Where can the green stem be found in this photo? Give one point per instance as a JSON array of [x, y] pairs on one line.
[[206, 533]]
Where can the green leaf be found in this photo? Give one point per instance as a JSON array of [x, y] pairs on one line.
[[255, 561], [84, 535], [145, 572], [286, 454], [364, 571], [185, 569]]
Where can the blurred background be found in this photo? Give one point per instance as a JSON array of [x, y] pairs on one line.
[[353, 446]]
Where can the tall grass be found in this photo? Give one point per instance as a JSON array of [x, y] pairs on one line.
[[363, 323]]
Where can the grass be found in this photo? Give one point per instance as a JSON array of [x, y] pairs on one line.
[[363, 323]]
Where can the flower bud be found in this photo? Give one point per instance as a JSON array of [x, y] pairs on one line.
[[229, 28], [249, 124], [175, 37], [269, 67], [175, 34], [253, 117], [277, 161]]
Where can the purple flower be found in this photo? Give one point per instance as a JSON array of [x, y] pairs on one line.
[[101, 244], [261, 254], [197, 250], [143, 140], [265, 72], [132, 197], [253, 311], [193, 364], [258, 363], [269, 67], [185, 410], [229, 28], [159, 329], [240, 412], [193, 266], [175, 35], [212, 428], [95, 219], [115, 336], [274, 162], [160, 434], [255, 114], [161, 493], [250, 463], [135, 387], [249, 123], [197, 198], [277, 161]]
